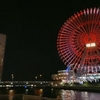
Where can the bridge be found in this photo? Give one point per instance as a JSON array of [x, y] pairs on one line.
[[28, 83]]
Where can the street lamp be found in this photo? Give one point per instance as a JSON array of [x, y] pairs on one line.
[[36, 77], [12, 77], [40, 75]]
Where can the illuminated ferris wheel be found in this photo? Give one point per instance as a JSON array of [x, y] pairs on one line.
[[78, 41]]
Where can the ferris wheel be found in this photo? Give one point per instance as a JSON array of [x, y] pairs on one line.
[[78, 41]]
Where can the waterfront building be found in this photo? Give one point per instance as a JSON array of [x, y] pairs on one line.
[[70, 76], [64, 76]]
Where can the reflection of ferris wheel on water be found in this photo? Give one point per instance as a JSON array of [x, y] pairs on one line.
[[78, 41]]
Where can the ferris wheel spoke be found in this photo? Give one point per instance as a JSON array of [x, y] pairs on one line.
[[78, 28]]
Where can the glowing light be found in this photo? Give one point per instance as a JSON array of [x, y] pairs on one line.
[[41, 90], [25, 86], [68, 68], [40, 75], [87, 45], [93, 44], [35, 77], [90, 45], [11, 94]]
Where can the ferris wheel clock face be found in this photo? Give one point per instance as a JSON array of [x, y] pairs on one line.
[[78, 41]]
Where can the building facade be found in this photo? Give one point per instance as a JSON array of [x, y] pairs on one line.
[[2, 52]]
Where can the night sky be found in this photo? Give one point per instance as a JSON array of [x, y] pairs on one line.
[[32, 27]]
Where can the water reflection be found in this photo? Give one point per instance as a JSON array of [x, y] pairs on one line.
[[59, 97], [78, 95], [55, 94], [39, 92], [11, 94], [26, 91]]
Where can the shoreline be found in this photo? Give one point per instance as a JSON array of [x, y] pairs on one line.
[[79, 88]]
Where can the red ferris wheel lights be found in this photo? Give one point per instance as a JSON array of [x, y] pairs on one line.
[[78, 40]]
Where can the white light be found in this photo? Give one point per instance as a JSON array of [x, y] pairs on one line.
[[93, 44], [90, 45], [55, 84], [26, 82], [11, 82], [87, 45], [32, 85], [41, 83]]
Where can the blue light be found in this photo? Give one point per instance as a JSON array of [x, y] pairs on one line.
[[68, 68], [25, 86]]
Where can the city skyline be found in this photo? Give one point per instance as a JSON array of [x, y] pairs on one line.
[[32, 28]]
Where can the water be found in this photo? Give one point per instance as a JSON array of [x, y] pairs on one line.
[[39, 93]]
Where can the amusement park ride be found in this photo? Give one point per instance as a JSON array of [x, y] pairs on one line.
[[78, 44]]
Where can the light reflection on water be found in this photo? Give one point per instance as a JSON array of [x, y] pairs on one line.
[[78, 95], [53, 93], [11, 94]]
